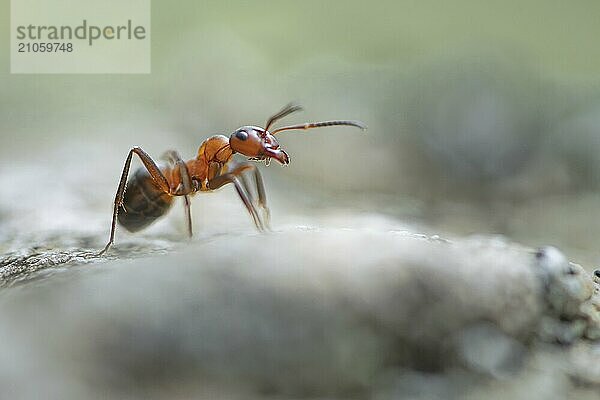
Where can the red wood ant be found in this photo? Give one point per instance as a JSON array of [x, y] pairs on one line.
[[151, 189]]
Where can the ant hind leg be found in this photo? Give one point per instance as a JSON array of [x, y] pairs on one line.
[[155, 173]]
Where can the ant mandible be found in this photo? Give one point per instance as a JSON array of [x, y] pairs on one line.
[[151, 189]]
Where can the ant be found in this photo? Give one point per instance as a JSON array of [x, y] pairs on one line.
[[151, 189]]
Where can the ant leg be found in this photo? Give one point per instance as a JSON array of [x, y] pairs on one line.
[[260, 188], [224, 179], [188, 214], [262, 196], [174, 158], [155, 173]]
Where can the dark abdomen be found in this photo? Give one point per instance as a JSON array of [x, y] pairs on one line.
[[143, 202]]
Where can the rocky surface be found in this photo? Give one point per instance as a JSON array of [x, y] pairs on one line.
[[301, 312]]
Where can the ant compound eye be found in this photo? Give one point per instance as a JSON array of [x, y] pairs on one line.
[[241, 135]]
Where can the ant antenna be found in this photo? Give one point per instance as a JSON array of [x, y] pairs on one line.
[[310, 125], [285, 111]]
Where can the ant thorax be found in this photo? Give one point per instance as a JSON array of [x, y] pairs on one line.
[[215, 149]]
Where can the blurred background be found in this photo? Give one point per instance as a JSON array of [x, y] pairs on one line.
[[484, 117]]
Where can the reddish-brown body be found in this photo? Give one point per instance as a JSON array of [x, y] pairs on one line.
[[144, 201], [151, 189], [213, 155]]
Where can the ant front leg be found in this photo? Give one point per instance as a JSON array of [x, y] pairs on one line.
[[260, 188], [233, 177], [185, 186], [239, 170], [156, 175]]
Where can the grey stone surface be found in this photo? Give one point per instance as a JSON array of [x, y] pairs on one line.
[[300, 313]]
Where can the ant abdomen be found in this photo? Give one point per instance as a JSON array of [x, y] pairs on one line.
[[143, 202]]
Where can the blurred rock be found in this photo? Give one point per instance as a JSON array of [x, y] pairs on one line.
[[584, 363], [485, 349], [476, 118], [575, 142], [299, 313], [571, 296]]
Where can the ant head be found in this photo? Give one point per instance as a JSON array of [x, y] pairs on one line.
[[258, 144]]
